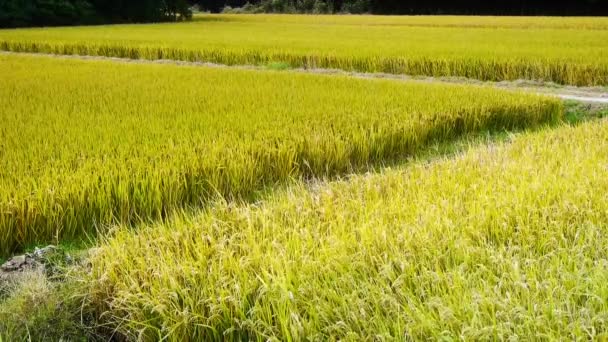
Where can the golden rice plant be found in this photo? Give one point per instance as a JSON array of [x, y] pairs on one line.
[[562, 50], [84, 144], [519, 22], [499, 242]]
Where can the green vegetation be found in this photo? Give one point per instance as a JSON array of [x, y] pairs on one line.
[[576, 112], [504, 240], [468, 7], [34, 307], [263, 204], [18, 13], [278, 66], [124, 143], [484, 48]]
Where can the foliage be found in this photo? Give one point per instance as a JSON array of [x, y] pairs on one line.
[[495, 7], [282, 6], [502, 241], [15, 13], [356, 6], [128, 142], [498, 7], [18, 13], [36, 308], [143, 10], [485, 48]]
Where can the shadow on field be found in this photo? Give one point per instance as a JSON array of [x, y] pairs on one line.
[[575, 113]]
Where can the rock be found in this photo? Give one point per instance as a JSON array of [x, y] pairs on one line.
[[30, 261], [43, 253], [18, 264], [47, 261]]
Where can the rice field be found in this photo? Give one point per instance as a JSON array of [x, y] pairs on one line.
[[222, 203], [86, 144], [506, 240], [562, 50]]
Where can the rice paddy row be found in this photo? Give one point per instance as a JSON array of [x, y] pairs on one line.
[[502, 241], [565, 51], [84, 144]]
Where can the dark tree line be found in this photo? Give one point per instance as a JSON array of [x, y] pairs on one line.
[[18, 13], [496, 7], [488, 7]]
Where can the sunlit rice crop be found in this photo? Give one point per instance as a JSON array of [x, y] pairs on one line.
[[83, 144], [503, 241], [562, 50]]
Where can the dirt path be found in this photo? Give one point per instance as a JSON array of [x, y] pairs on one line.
[[595, 95], [602, 100]]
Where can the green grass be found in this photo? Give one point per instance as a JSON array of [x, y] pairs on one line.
[[576, 112], [503, 241], [280, 66], [86, 144], [37, 307], [562, 50]]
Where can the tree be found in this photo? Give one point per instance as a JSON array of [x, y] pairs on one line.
[[16, 13]]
